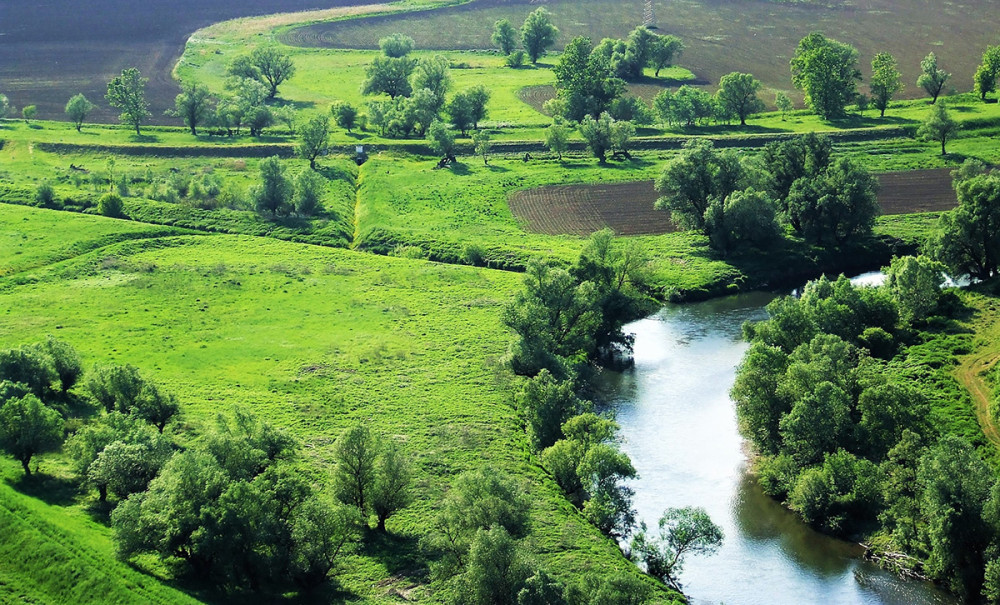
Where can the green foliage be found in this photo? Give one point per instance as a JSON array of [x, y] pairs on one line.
[[123, 389], [314, 137], [391, 491], [682, 532], [783, 103], [345, 114], [127, 468], [354, 476], [30, 366], [737, 95], [745, 218], [272, 66], [598, 135], [27, 428], [932, 78], [915, 285], [538, 34], [988, 72], [956, 485], [396, 46], [885, 82], [662, 52], [389, 75], [482, 144], [111, 205], [939, 126], [5, 107], [193, 106], [77, 110], [837, 206], [28, 112], [272, 194], [431, 73], [547, 404], [827, 72], [45, 196], [127, 93], [585, 80], [496, 571], [504, 36], [441, 139], [557, 137], [967, 237], [308, 193]]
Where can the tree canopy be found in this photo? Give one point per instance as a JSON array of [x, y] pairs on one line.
[[827, 72]]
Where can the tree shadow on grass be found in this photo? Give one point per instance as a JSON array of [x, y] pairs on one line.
[[400, 554], [498, 169], [144, 138], [57, 491]]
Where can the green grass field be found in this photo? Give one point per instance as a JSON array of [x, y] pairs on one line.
[[313, 340]]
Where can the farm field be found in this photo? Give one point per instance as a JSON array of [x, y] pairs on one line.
[[627, 208], [755, 36], [53, 50]]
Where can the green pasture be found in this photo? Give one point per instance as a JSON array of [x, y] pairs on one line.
[[313, 340]]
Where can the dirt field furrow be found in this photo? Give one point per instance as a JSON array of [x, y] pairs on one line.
[[627, 208]]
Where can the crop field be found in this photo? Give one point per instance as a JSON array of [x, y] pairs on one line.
[[627, 208], [53, 50], [755, 36]]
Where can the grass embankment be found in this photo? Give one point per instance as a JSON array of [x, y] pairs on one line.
[[313, 340]]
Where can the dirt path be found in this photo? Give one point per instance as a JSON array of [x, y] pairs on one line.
[[970, 373]]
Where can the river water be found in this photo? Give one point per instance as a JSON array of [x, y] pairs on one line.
[[679, 428]]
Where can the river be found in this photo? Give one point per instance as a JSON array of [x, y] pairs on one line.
[[679, 427]]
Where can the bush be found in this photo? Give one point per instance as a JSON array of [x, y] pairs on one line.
[[516, 59], [474, 254], [45, 196], [111, 205]]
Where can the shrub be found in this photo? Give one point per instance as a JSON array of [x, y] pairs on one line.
[[111, 205], [516, 59], [45, 196]]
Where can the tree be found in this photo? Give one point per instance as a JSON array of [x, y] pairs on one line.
[[127, 468], [987, 72], [273, 192], [603, 470], [345, 114], [354, 475], [682, 532], [597, 134], [557, 137], [885, 82], [662, 52], [308, 193], [320, 530], [192, 105], [939, 126], [816, 423], [423, 108], [783, 103], [431, 73], [287, 115], [389, 75], [738, 95], [546, 404], [28, 112], [538, 34], [956, 484], [967, 240], [496, 570], [390, 491], [479, 97], [396, 45], [155, 406], [622, 133], [840, 204], [585, 80], [915, 285], [29, 366], [127, 93], [115, 387], [460, 112], [743, 217], [481, 141], [441, 140], [314, 137], [5, 107], [77, 109], [28, 427], [932, 79], [273, 67], [861, 102], [827, 72], [504, 36]]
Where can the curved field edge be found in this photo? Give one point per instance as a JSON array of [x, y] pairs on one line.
[[312, 339]]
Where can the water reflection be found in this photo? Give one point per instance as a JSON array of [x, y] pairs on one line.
[[680, 430]]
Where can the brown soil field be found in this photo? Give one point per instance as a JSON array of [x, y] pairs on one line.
[[627, 208], [53, 49], [755, 36]]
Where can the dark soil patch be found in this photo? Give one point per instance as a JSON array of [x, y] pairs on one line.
[[627, 208], [50, 50], [754, 36]]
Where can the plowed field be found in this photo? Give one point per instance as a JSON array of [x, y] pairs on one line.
[[627, 208], [53, 49]]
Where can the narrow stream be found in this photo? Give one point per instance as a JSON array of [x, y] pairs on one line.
[[679, 427]]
